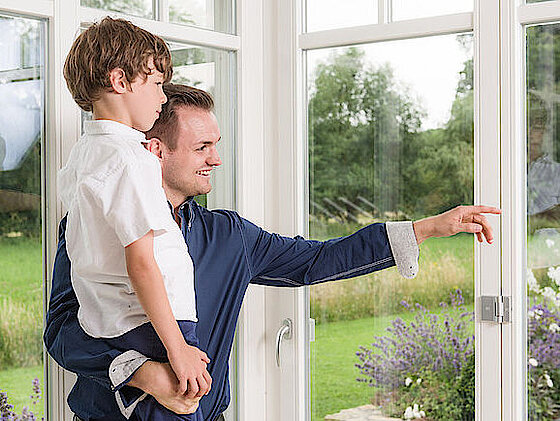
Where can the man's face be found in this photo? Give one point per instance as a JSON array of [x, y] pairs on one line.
[[187, 169]]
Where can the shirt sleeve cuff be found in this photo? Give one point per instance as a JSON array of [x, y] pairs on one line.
[[404, 246], [124, 366]]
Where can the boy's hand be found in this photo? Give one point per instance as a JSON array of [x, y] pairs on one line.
[[189, 364], [159, 380]]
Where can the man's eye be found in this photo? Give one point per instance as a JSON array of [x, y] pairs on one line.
[[202, 148], [159, 83]]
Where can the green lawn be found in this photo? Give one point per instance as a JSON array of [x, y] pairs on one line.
[[20, 269], [21, 285], [334, 386], [17, 382], [333, 382]]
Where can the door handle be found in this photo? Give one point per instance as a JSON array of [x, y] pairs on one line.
[[285, 332]]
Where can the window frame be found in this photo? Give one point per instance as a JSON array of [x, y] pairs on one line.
[[290, 199], [64, 18]]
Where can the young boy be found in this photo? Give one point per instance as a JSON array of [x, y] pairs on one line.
[[130, 263]]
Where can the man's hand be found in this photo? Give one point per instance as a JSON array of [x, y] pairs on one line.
[[159, 380], [459, 219], [189, 364]]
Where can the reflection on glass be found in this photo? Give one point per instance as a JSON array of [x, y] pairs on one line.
[[211, 14], [141, 8], [214, 72], [331, 14], [21, 282], [413, 9], [390, 139], [543, 222]]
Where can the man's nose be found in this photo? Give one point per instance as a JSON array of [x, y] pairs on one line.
[[214, 158]]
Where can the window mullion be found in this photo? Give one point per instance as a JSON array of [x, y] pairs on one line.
[[31, 8], [416, 28], [169, 31]]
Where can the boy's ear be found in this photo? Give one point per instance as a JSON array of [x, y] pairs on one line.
[[118, 80], [154, 146]]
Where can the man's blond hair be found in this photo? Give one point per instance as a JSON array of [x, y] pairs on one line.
[[105, 46]]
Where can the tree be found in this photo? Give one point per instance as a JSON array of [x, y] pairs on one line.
[[359, 123]]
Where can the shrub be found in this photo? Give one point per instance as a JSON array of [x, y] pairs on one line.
[[428, 362], [543, 331], [6, 409]]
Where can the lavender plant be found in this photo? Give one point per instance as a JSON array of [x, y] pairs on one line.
[[7, 410], [428, 362], [543, 332]]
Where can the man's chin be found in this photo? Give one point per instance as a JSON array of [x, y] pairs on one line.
[[204, 190]]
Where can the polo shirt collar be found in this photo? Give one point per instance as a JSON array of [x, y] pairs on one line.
[[104, 127]]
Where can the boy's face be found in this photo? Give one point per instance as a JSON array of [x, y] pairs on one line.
[[145, 98]]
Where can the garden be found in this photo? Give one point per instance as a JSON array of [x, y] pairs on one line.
[[417, 362]]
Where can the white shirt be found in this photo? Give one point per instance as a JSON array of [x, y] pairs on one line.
[[543, 185], [112, 188]]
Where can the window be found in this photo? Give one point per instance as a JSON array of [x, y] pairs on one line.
[[392, 140], [22, 138], [543, 222]]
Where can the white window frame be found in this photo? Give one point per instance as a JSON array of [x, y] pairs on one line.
[[288, 185], [64, 20], [516, 15], [272, 175]]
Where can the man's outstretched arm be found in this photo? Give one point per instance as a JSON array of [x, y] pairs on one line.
[[292, 262]]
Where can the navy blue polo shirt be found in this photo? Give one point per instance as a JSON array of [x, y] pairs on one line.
[[228, 253]]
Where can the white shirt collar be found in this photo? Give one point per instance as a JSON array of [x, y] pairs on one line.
[[97, 127]]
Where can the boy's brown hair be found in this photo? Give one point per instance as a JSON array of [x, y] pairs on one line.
[[105, 46]]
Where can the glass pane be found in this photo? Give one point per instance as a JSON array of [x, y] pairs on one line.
[[22, 90], [412, 9], [330, 14], [142, 8], [392, 140], [214, 72], [543, 221], [211, 14]]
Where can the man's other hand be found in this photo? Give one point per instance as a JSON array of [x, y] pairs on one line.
[[159, 380], [459, 219]]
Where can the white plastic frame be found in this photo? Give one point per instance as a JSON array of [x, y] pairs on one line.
[[64, 19], [289, 195], [516, 15]]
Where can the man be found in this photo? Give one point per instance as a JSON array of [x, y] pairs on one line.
[[228, 252]]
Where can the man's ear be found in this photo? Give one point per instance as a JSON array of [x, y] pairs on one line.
[[155, 146], [118, 80]]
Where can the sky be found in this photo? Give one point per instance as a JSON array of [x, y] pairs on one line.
[[429, 67]]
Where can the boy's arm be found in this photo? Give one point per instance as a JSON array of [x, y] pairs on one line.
[[188, 362]]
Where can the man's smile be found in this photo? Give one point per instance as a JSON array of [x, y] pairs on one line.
[[204, 173]]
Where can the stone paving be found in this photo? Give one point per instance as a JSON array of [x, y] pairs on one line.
[[361, 413]]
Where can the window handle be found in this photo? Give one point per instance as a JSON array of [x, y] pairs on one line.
[[285, 332]]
